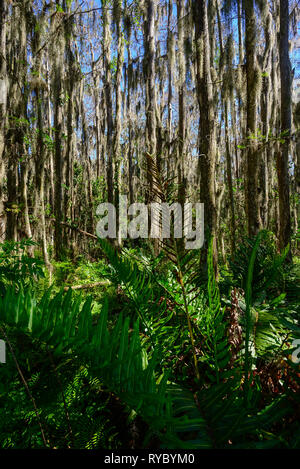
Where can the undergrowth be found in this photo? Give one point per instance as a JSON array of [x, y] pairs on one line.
[[180, 363]]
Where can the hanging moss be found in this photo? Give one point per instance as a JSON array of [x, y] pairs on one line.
[[171, 49]]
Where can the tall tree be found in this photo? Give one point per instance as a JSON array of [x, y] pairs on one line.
[[58, 97], [207, 142], [118, 100], [181, 102], [285, 127], [3, 104], [149, 70], [18, 124], [252, 207], [108, 103]]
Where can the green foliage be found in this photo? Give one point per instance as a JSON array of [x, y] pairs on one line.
[[66, 327], [137, 361], [267, 269], [17, 267], [66, 386], [215, 332], [230, 399]]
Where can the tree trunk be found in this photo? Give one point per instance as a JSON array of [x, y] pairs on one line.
[[252, 206], [207, 150], [3, 117], [58, 92], [285, 121], [181, 104]]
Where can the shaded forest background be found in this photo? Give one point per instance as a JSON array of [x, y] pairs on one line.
[[88, 89]]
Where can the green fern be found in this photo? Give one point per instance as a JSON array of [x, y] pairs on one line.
[[116, 356]]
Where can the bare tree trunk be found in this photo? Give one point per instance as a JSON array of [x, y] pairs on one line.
[[130, 126], [24, 198], [17, 109], [150, 104], [118, 99], [58, 92], [283, 153], [229, 181], [95, 75], [252, 206], [181, 104], [149, 40], [207, 150], [40, 152], [170, 53], [3, 100], [108, 103]]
